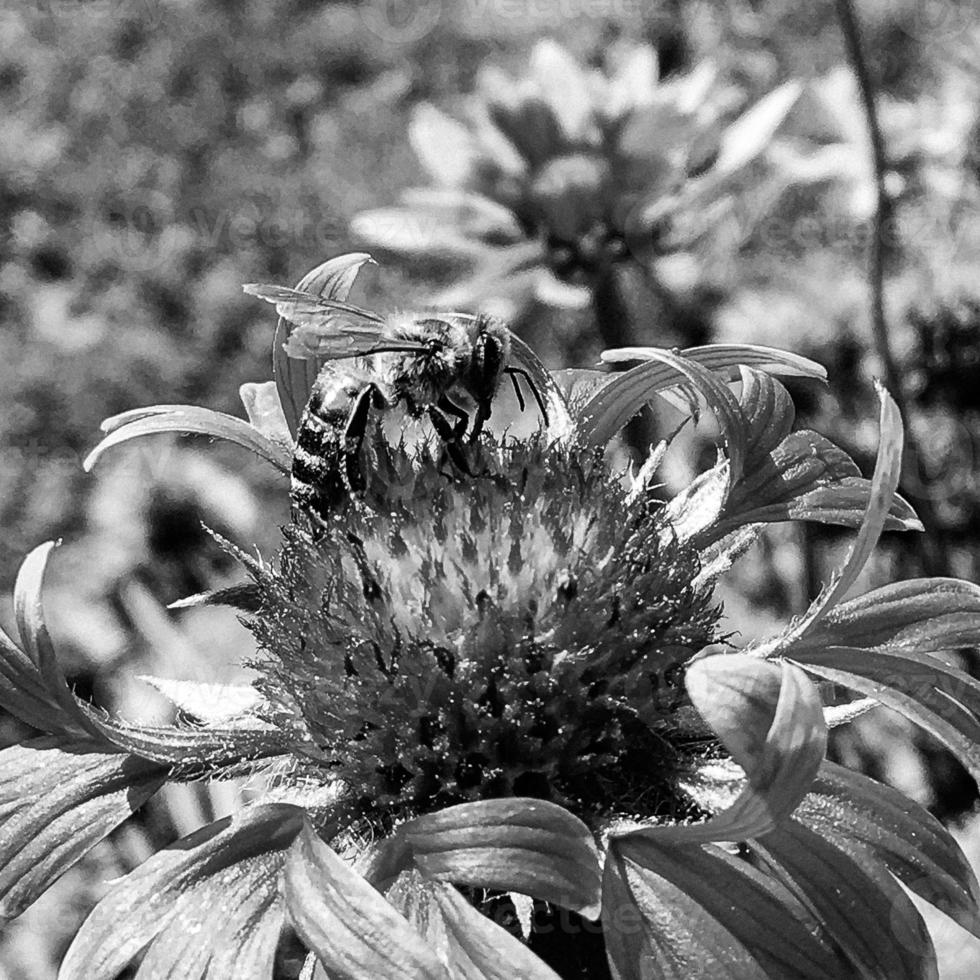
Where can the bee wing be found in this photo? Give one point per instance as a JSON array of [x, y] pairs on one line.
[[327, 328]]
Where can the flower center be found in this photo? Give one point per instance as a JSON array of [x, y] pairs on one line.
[[518, 632]]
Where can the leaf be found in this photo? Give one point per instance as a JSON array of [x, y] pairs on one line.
[[920, 615], [294, 378], [883, 484], [181, 881], [522, 845], [189, 420], [705, 914], [472, 945], [854, 810], [617, 402], [352, 929], [445, 147], [726, 359], [939, 698], [770, 719], [58, 799], [858, 903]]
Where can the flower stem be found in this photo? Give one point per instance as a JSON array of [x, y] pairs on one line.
[[930, 555], [615, 325]]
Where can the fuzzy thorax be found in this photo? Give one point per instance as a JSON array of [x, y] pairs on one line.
[[520, 632]]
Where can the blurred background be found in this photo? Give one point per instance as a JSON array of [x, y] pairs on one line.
[[709, 179]]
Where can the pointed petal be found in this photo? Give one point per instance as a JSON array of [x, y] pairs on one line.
[[770, 719], [208, 703], [617, 402], [57, 800], [294, 377], [564, 86], [883, 486], [473, 946], [926, 615], [189, 420], [445, 147], [36, 640], [726, 359], [906, 838], [684, 911], [352, 929], [939, 698], [859, 904], [264, 410], [177, 880]]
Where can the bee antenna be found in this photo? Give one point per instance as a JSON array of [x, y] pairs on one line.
[[513, 372]]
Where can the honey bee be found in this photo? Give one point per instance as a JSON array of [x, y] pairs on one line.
[[447, 367]]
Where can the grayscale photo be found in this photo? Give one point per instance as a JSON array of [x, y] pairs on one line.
[[489, 490]]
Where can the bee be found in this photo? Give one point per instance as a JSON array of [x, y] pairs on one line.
[[447, 367]]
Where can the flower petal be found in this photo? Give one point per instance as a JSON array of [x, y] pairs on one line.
[[695, 911], [564, 86], [189, 420], [294, 377], [770, 719], [883, 485], [31, 625], [925, 615], [941, 699], [617, 402], [59, 798], [522, 845], [264, 410], [473, 945], [906, 838], [352, 929], [444, 146], [859, 904], [178, 882]]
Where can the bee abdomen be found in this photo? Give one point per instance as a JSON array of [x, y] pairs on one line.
[[321, 477]]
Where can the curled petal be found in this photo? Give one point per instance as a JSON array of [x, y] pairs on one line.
[[189, 420]]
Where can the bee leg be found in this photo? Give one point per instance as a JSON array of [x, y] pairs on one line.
[[447, 433], [461, 415], [483, 410], [514, 372], [353, 439], [521, 404]]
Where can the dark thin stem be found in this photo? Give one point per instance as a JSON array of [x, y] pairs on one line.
[[932, 561], [615, 325]]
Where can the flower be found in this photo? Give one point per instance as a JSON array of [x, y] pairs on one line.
[[500, 729], [556, 180]]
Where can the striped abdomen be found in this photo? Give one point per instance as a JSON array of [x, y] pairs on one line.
[[323, 473]]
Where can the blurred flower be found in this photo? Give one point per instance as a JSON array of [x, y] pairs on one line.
[[500, 730], [557, 178]]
